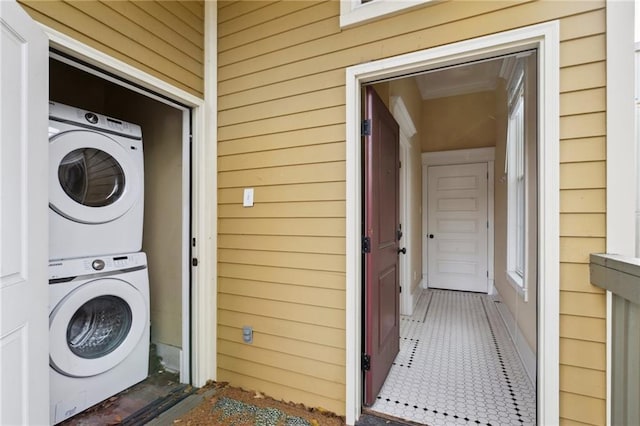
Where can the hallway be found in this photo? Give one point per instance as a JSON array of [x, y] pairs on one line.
[[457, 365]]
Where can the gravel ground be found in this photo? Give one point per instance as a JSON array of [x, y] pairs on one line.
[[232, 406]]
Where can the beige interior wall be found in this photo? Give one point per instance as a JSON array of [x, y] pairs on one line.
[[524, 313], [459, 122], [408, 90], [281, 117], [162, 145]]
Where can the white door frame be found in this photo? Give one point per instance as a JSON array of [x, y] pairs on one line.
[[544, 37], [204, 175], [459, 156]]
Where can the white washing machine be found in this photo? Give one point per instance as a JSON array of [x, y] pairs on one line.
[[98, 330], [96, 184]]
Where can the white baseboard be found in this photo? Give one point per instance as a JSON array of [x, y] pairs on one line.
[[416, 294], [527, 356], [171, 356]]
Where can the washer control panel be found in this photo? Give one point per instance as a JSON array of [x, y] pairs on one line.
[[59, 269], [68, 114]]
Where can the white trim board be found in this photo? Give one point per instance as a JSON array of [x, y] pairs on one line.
[[544, 37], [460, 156], [204, 198]]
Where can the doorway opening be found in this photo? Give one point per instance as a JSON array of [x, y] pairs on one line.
[[167, 230], [541, 228]]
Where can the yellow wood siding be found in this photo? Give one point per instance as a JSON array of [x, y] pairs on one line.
[[281, 100], [162, 38]]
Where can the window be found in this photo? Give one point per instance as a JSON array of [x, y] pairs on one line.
[[354, 12], [516, 184]]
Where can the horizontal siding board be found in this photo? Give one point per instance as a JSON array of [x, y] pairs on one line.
[[576, 277], [162, 14], [584, 24], [303, 382], [569, 422], [282, 89], [291, 139], [583, 101], [131, 30], [295, 347], [589, 175], [259, 16], [309, 261], [577, 250], [583, 50], [278, 391], [322, 279], [324, 191], [301, 120], [318, 227], [583, 304], [284, 157], [284, 244], [291, 105], [278, 359], [307, 173], [275, 210], [583, 328], [228, 10], [177, 8], [328, 317], [583, 200], [583, 381], [583, 149], [583, 408], [581, 353], [583, 125], [583, 225], [311, 333], [583, 76], [311, 296], [171, 35]]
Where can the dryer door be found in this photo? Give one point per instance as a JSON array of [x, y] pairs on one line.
[[92, 178], [96, 326]]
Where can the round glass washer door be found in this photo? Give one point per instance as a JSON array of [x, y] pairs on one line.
[[95, 327], [92, 178]]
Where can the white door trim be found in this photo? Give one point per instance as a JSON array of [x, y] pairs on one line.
[[459, 156], [204, 166], [545, 37]]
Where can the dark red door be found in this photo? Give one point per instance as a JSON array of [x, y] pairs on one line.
[[381, 292]]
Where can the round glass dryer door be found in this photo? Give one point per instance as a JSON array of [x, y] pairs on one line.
[[95, 327], [93, 179]]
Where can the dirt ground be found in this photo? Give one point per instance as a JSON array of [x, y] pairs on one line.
[[234, 406]]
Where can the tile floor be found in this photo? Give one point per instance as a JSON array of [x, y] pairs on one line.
[[457, 366]]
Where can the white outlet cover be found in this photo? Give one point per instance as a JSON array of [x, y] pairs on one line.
[[247, 199]]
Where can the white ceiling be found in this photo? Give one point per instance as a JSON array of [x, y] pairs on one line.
[[460, 80]]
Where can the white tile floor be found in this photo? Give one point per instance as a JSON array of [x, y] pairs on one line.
[[457, 366]]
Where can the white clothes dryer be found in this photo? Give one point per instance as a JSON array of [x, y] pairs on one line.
[[96, 184], [98, 330]]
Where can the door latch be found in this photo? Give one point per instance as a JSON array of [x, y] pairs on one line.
[[194, 261]]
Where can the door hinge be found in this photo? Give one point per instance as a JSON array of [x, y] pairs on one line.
[[400, 289], [193, 242], [194, 261], [400, 164], [366, 244], [487, 274], [366, 362], [366, 127]]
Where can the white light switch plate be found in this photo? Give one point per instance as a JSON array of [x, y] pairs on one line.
[[247, 200]]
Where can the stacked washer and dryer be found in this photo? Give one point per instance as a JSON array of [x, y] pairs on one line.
[[98, 280]]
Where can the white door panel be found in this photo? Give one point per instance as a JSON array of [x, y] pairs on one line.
[[457, 227], [24, 349]]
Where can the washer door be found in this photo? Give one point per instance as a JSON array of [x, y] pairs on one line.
[[92, 178], [95, 327]]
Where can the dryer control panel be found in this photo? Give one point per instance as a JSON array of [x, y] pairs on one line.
[[59, 269], [92, 120]]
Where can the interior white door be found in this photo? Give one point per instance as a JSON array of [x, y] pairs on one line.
[[457, 227], [24, 311]]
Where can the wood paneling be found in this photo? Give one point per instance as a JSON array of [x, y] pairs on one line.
[[582, 381], [583, 201], [583, 328], [164, 38], [582, 408], [583, 149]]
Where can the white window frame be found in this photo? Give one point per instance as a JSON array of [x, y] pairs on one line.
[[354, 12], [516, 187]]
